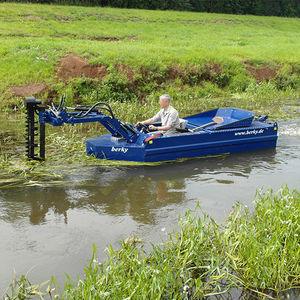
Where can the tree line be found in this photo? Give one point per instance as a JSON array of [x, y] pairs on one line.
[[282, 8]]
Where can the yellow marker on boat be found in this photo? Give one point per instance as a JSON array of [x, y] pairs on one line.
[[275, 128], [150, 142]]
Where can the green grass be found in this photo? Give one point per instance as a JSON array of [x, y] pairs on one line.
[[34, 38], [256, 251], [264, 247]]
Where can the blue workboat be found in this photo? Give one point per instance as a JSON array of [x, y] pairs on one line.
[[239, 132], [218, 131]]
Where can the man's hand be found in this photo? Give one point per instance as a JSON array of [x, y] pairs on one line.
[[138, 124], [152, 127]]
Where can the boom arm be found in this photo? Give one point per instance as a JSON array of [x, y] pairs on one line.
[[113, 125], [61, 116]]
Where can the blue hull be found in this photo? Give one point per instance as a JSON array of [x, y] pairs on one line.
[[257, 136]]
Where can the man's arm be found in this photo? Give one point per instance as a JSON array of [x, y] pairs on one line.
[[149, 121], [156, 118], [152, 127]]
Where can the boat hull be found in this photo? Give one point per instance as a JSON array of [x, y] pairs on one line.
[[258, 136]]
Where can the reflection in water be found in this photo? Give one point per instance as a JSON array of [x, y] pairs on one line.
[[135, 191], [40, 207], [162, 191], [123, 193]]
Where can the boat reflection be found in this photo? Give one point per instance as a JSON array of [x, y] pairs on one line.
[[138, 191]]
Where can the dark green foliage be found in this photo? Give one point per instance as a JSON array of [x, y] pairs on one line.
[[287, 78], [113, 87], [116, 86], [282, 8]]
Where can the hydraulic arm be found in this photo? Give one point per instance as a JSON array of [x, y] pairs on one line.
[[99, 112]]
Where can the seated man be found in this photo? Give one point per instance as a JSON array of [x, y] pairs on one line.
[[168, 116]]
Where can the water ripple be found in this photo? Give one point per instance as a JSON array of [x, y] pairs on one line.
[[289, 128]]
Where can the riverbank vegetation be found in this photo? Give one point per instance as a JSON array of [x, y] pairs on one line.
[[129, 55], [65, 146], [255, 251]]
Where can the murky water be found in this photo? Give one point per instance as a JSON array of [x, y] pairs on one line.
[[51, 229]]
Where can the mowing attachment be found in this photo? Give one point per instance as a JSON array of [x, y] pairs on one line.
[[32, 130]]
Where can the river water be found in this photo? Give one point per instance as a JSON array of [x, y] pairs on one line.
[[50, 230]]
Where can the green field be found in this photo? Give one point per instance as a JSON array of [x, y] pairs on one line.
[[145, 52]]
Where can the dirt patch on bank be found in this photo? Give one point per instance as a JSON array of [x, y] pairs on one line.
[[208, 21], [103, 38], [73, 36], [74, 66], [213, 70], [29, 89], [125, 70], [261, 73], [95, 38], [111, 38], [175, 71], [33, 17], [18, 35]]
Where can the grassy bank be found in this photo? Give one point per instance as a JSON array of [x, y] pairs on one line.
[[128, 54], [255, 251], [129, 58]]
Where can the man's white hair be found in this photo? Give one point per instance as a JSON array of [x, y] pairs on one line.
[[166, 98]]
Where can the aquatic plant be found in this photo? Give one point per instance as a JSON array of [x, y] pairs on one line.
[[21, 289], [257, 251], [264, 247]]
